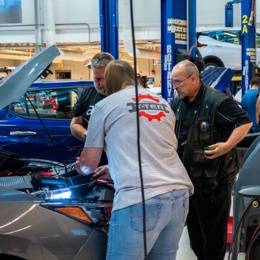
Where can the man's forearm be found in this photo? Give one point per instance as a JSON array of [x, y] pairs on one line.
[[79, 132], [238, 134]]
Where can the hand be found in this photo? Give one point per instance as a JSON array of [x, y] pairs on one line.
[[215, 150], [77, 166], [102, 172], [83, 170]]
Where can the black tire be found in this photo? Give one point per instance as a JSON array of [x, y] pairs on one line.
[[212, 64]]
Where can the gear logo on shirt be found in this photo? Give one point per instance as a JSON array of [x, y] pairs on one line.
[[149, 107]]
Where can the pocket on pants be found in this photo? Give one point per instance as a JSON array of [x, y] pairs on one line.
[[153, 212]]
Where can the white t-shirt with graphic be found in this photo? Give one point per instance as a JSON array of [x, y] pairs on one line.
[[113, 126]]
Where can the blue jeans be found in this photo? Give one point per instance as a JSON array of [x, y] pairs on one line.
[[165, 218]]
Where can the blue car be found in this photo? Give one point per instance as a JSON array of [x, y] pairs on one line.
[[49, 138]]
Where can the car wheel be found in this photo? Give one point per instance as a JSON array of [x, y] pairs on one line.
[[212, 64]]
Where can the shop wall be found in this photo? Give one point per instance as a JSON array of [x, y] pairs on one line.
[[69, 14], [146, 16]]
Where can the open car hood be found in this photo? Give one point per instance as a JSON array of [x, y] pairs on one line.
[[217, 77], [18, 81]]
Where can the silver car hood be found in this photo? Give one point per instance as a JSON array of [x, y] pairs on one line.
[[9, 195], [18, 81]]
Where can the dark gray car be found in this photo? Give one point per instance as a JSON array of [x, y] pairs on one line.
[[47, 210]]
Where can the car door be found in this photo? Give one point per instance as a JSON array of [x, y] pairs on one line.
[[38, 125]]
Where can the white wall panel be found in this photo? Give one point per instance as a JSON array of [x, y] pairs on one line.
[[86, 12], [212, 13]]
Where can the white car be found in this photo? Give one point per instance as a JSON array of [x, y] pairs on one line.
[[238, 96], [221, 47]]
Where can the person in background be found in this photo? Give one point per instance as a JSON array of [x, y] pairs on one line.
[[209, 124], [258, 108], [82, 110], [249, 102], [142, 81], [167, 187]]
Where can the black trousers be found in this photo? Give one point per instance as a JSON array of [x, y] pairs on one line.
[[207, 222]]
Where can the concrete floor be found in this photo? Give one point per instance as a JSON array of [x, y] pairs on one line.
[[185, 252]]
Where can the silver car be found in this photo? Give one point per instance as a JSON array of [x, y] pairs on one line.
[[48, 211]]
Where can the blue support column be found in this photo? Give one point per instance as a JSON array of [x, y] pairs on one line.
[[177, 32], [229, 14], [229, 17], [248, 40], [192, 23], [108, 10]]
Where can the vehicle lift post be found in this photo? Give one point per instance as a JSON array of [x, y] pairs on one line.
[[178, 34], [108, 18], [248, 42], [229, 17], [248, 39]]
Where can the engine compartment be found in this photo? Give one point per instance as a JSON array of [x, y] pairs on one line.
[[51, 180]]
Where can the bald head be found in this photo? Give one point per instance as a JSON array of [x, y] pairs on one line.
[[187, 66], [185, 79]]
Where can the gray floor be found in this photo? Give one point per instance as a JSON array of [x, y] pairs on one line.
[[184, 252]]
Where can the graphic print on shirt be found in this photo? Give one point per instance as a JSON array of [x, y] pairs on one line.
[[90, 110], [87, 115], [149, 107]]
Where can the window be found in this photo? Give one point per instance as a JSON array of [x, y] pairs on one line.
[[49, 103], [10, 11], [230, 36]]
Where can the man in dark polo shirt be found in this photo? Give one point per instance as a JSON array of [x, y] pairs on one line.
[[209, 124], [89, 97]]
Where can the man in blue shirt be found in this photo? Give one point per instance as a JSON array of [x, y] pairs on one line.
[[249, 102]]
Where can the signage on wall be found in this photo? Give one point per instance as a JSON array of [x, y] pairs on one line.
[[179, 27]]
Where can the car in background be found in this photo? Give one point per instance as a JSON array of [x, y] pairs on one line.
[[238, 96], [221, 47], [38, 124]]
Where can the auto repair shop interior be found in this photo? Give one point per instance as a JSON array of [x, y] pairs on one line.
[[215, 35]]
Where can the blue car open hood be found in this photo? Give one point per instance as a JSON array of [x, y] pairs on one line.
[[217, 77], [18, 81]]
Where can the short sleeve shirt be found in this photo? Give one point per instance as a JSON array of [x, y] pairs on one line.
[[86, 103]]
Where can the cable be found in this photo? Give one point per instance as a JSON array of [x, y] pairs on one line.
[[252, 241], [138, 131], [46, 130], [251, 18], [198, 61]]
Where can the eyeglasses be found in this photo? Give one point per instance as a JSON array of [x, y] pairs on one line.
[[99, 62], [176, 82]]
